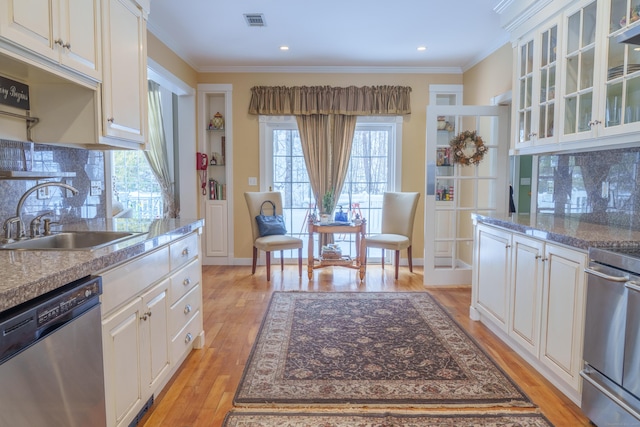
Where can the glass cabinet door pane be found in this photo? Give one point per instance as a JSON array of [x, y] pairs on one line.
[[530, 57], [573, 33], [589, 24], [586, 69], [584, 115], [544, 60], [615, 59], [544, 85], [551, 92], [570, 112], [632, 110], [572, 75], [553, 44], [613, 107]]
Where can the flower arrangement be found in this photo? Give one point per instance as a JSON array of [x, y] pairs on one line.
[[327, 202], [460, 142]]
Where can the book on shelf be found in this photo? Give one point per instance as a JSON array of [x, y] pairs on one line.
[[217, 190]]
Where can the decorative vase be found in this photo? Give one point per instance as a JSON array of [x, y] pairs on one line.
[[218, 121], [325, 218]]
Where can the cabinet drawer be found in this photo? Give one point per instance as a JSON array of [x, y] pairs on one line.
[[184, 341], [184, 280], [184, 310], [122, 283], [183, 251]]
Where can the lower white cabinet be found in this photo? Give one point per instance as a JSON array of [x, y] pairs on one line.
[[151, 319], [531, 293], [216, 228]]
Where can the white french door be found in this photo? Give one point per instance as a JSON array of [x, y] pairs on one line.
[[455, 191]]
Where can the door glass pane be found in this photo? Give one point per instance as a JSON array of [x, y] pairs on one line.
[[633, 100], [589, 24], [586, 69], [570, 115], [572, 75], [614, 105], [584, 114], [487, 187]]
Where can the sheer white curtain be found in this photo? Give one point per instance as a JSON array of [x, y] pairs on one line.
[[157, 153]]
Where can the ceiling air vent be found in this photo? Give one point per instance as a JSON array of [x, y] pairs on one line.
[[254, 19]]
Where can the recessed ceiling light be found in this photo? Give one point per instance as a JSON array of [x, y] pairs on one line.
[[421, 48], [284, 47]]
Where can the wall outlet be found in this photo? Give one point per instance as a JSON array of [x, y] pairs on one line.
[[253, 181], [96, 188]]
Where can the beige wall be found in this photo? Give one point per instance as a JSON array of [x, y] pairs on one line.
[[246, 135], [489, 78]]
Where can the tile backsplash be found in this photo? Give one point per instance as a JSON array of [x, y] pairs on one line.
[[84, 166], [600, 186]]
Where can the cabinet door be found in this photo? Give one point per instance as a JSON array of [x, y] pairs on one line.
[[124, 89], [30, 24], [563, 312], [526, 291], [492, 273], [579, 90], [80, 32], [216, 227], [123, 356], [524, 105], [155, 324]]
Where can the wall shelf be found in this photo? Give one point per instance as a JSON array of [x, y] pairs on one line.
[[35, 174]]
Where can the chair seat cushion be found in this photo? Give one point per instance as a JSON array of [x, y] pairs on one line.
[[394, 242], [277, 243]]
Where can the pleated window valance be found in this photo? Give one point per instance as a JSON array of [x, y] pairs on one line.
[[349, 101]]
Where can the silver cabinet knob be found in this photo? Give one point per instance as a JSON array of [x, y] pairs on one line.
[[188, 338], [187, 309], [186, 281]]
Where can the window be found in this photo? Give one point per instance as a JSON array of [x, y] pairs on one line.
[[134, 185], [373, 169]]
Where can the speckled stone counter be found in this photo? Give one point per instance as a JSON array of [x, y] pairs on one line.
[[570, 231], [25, 275]]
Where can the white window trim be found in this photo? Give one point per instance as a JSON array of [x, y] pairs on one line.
[[269, 123]]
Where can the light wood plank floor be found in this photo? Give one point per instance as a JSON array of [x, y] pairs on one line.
[[201, 392]]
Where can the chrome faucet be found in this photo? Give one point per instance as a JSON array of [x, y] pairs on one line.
[[18, 217]]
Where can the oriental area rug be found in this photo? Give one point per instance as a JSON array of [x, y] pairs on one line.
[[239, 419], [369, 350]]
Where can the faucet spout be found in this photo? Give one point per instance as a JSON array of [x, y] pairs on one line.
[[32, 190]]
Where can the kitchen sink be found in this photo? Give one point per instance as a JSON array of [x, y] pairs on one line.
[[70, 240]]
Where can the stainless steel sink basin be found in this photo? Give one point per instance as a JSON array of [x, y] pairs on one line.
[[70, 240]]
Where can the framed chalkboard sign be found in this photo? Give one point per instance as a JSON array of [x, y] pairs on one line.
[[14, 94]]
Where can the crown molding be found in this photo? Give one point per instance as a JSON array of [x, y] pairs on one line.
[[330, 69]]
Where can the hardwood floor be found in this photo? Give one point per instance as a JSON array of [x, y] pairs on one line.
[[201, 392]]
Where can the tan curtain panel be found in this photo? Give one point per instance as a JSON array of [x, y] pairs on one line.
[[349, 101]]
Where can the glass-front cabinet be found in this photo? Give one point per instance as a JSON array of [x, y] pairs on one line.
[[579, 87], [621, 103], [536, 82]]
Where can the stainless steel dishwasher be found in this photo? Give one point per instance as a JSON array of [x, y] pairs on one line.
[[51, 368]]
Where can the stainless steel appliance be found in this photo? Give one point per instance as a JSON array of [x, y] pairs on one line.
[[611, 374], [51, 370]]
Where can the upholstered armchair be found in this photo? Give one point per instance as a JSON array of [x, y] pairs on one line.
[[398, 212], [269, 243]]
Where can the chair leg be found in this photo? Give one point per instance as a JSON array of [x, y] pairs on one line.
[[268, 266], [300, 262], [397, 263], [281, 260], [255, 260], [383, 259], [410, 259]]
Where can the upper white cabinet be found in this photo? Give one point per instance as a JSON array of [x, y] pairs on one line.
[[124, 88], [66, 32], [575, 85]]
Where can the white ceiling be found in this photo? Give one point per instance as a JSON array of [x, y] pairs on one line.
[[376, 35]]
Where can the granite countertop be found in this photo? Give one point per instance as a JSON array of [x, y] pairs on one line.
[[25, 275], [567, 230]]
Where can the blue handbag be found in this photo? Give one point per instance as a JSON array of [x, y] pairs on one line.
[[341, 216], [270, 225]]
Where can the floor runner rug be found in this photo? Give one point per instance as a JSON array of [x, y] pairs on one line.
[[384, 420], [368, 349]]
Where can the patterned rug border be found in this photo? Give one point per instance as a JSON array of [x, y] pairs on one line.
[[499, 418], [353, 404]]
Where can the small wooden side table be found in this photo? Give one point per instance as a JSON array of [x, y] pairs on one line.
[[337, 228]]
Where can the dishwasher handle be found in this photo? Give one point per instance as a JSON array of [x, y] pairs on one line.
[[606, 276]]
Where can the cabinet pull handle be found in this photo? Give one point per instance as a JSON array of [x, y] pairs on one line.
[[110, 119], [59, 42], [186, 281], [67, 45], [624, 278], [538, 256], [185, 252], [146, 315], [188, 338], [187, 309], [507, 246]]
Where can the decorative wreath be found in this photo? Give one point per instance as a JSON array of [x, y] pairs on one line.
[[460, 142]]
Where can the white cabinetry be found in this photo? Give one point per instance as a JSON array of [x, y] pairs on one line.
[[64, 31], [151, 319], [124, 89], [531, 293], [216, 142], [596, 86]]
